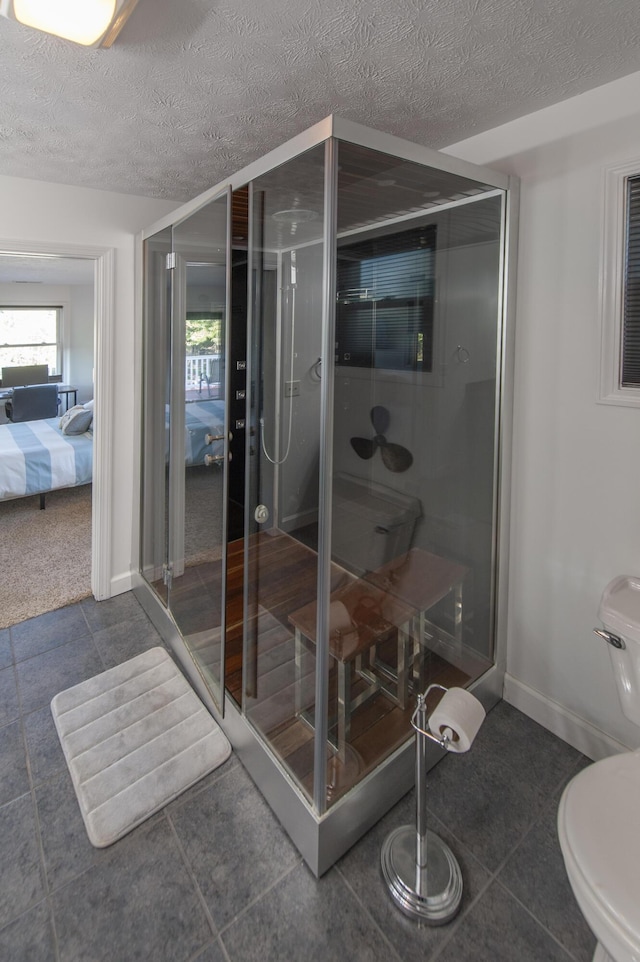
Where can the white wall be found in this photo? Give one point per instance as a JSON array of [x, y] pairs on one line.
[[78, 369], [576, 469], [40, 213]]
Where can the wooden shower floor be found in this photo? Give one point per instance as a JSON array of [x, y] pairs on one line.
[[283, 572], [282, 577]]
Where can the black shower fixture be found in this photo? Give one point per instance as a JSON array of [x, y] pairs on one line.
[[394, 456]]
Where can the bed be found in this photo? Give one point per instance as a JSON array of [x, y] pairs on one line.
[[36, 457]]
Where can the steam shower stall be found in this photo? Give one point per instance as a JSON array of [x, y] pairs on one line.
[[325, 456]]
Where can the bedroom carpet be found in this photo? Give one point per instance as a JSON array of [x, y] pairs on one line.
[[203, 515], [45, 556], [134, 738]]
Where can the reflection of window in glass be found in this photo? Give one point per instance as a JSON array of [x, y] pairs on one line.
[[203, 349], [384, 317], [30, 335], [204, 332], [630, 355]]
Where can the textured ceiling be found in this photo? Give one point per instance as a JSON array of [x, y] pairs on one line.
[[192, 91], [24, 269]]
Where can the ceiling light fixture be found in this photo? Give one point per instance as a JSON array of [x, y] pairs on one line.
[[92, 23]]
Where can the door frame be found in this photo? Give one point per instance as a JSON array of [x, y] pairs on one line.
[[103, 354]]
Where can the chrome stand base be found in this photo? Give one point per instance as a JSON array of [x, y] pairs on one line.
[[432, 893]]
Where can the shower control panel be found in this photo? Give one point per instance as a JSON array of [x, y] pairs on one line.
[[238, 396], [237, 427]]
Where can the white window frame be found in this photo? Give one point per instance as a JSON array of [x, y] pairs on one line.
[[62, 309], [613, 259]]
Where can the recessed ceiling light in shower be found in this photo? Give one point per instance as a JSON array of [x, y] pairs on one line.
[[295, 215]]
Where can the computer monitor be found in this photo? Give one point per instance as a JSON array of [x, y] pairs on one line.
[[27, 374]]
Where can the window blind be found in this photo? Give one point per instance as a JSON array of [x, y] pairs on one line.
[[384, 314], [630, 367]]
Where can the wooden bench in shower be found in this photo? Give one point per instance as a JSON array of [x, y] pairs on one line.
[[389, 605]]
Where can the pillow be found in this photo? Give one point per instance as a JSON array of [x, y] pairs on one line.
[[76, 420], [89, 405], [65, 416]]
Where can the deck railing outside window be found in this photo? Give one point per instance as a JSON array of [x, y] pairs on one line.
[[203, 374]]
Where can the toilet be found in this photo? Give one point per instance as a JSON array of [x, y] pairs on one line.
[[372, 524], [599, 812]]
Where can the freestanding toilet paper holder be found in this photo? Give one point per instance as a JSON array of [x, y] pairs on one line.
[[421, 872]]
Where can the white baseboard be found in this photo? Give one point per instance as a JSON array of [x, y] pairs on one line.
[[299, 519], [573, 729], [121, 583]]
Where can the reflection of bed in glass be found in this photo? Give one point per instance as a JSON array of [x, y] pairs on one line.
[[200, 510], [204, 430]]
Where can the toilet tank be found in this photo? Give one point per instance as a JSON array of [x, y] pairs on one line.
[[372, 524], [619, 612]]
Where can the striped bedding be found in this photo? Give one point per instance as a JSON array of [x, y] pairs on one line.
[[35, 457], [202, 418]]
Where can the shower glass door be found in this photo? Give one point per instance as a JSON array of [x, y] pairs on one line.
[[198, 438], [414, 448], [156, 397], [280, 564]]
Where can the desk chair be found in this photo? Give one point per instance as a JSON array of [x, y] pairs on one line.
[[33, 403]]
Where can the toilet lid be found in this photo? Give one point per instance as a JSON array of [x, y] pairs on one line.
[[602, 831]]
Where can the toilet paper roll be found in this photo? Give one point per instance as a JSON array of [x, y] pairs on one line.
[[459, 716], [339, 618]]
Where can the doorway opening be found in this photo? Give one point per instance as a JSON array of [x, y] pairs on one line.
[[55, 556]]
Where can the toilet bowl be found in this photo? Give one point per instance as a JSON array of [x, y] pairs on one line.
[[599, 831], [599, 812]]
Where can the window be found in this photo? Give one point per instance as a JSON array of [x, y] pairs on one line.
[[630, 355], [203, 346], [31, 335], [384, 316], [620, 310]]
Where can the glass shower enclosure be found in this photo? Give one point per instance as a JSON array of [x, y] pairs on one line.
[[325, 459]]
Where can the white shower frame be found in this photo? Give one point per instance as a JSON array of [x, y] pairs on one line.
[[323, 836]]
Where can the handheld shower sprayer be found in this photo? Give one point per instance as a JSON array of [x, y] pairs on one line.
[[289, 289]]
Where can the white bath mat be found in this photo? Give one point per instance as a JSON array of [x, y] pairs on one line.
[[134, 737]]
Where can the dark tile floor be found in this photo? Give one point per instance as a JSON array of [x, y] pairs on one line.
[[213, 878]]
